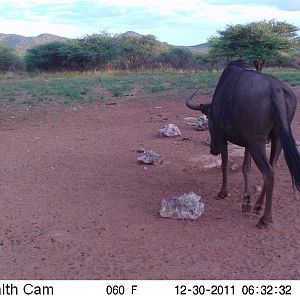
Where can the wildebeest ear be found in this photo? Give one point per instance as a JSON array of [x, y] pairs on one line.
[[205, 108]]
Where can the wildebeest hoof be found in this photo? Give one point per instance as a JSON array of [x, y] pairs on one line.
[[215, 152], [262, 223], [246, 198], [246, 207], [222, 195], [257, 209]]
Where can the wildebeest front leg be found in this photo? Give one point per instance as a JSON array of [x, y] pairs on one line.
[[246, 205], [224, 154]]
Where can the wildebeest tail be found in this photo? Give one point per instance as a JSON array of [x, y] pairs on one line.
[[289, 146]]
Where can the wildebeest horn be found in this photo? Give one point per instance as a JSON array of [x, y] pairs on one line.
[[204, 108], [189, 103]]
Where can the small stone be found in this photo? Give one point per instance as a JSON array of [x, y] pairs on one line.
[[169, 130], [234, 167], [191, 121], [258, 188], [202, 124], [150, 157], [186, 206], [138, 149]]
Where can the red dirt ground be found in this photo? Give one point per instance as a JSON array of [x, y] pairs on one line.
[[75, 204]]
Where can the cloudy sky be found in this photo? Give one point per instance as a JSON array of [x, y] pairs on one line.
[[178, 22]]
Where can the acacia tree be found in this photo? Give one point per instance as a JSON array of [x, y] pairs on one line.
[[176, 57], [134, 51], [257, 42]]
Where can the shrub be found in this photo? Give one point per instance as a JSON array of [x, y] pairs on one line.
[[134, 52], [9, 60], [89, 53], [47, 57]]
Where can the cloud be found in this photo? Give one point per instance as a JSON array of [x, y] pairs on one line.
[[289, 5], [181, 22], [30, 28]]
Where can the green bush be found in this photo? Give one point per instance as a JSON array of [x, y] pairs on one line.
[[92, 52], [89, 53], [178, 58], [47, 57], [135, 52], [9, 60]]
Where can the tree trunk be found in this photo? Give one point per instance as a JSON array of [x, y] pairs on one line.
[[259, 65]]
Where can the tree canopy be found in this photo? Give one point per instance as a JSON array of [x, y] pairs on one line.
[[93, 52], [258, 42]]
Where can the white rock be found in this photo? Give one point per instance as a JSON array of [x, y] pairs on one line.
[[150, 157], [258, 188], [234, 167], [169, 130], [206, 161], [202, 124], [186, 206], [191, 121]]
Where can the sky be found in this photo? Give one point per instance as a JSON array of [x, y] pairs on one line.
[[177, 22]]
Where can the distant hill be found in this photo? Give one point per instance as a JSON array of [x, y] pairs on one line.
[[196, 48], [200, 47], [132, 34], [22, 43]]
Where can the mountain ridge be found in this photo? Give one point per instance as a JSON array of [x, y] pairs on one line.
[[22, 43]]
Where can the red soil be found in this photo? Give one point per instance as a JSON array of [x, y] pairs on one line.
[[75, 204]]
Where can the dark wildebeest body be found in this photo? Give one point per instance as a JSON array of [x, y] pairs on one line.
[[248, 109]]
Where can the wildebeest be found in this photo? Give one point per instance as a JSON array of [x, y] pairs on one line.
[[250, 108]]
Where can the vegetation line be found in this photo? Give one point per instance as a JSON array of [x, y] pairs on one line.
[[68, 87]]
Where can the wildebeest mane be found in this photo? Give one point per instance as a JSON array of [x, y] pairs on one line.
[[240, 63]]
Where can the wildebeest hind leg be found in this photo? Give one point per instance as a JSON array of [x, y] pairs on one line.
[[275, 153], [258, 153], [246, 205]]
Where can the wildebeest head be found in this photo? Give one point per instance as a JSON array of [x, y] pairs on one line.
[[205, 109]]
